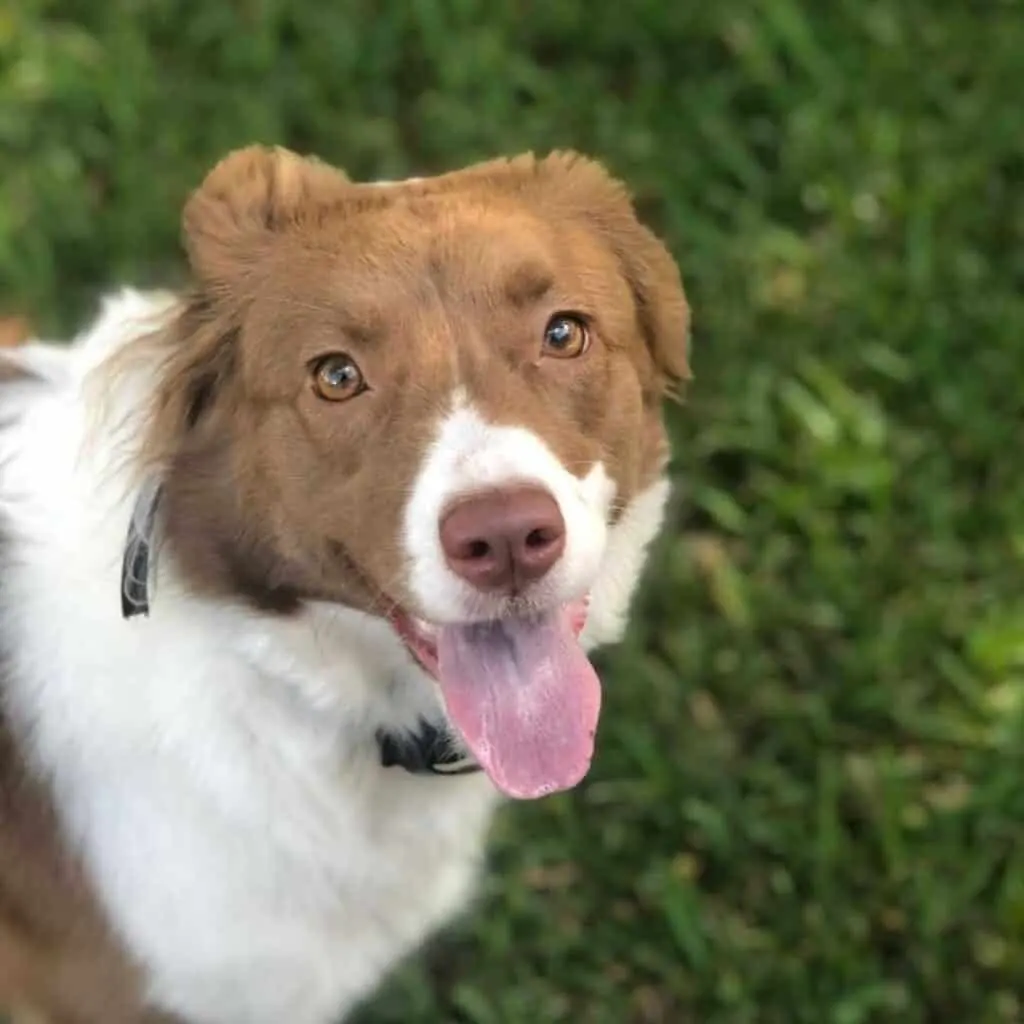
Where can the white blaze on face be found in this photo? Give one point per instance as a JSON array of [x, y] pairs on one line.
[[470, 455]]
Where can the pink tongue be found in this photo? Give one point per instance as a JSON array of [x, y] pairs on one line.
[[525, 698]]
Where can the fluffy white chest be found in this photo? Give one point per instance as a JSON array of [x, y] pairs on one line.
[[248, 846], [291, 902]]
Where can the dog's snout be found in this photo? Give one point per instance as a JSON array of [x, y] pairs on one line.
[[502, 539]]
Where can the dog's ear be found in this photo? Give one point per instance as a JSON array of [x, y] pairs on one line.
[[198, 350], [247, 198], [229, 223], [582, 186]]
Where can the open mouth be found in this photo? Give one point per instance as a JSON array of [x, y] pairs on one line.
[[521, 692]]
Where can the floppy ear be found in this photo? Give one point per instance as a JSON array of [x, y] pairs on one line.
[[228, 224], [584, 186], [249, 196]]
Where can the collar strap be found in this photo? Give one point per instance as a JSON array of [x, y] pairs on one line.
[[138, 560], [428, 751]]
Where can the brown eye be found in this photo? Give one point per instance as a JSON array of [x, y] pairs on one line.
[[336, 378], [565, 337]]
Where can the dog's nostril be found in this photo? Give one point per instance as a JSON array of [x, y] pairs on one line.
[[539, 538], [478, 549]]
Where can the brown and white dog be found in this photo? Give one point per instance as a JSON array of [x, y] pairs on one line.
[[288, 559]]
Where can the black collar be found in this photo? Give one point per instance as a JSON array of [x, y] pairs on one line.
[[429, 751], [139, 553]]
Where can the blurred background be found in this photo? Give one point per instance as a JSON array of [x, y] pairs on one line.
[[808, 806]]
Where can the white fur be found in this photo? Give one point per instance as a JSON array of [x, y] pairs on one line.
[[622, 564], [217, 768]]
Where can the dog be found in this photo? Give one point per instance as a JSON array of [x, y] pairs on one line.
[[300, 567]]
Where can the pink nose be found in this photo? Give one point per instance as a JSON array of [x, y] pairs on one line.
[[503, 539]]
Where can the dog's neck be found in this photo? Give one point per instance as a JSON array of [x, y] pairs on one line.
[[428, 749]]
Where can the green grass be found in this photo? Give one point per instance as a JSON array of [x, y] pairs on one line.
[[808, 806]]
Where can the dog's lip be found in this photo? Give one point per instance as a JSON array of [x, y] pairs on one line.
[[420, 635]]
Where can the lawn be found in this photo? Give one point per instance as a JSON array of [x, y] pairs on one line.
[[808, 806]]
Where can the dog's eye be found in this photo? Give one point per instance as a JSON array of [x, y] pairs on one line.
[[565, 337], [336, 378]]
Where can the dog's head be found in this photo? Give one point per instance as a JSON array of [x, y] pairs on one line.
[[436, 401]]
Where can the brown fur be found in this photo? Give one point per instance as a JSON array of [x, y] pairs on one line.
[[275, 495], [14, 330]]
